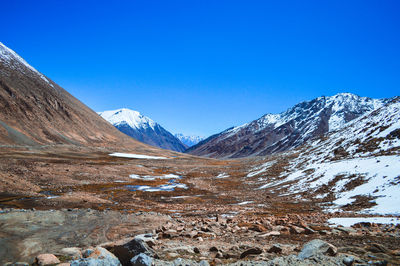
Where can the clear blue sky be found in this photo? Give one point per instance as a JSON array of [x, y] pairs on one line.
[[199, 67]]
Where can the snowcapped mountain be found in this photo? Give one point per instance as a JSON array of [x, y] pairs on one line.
[[189, 140], [354, 168], [142, 128], [274, 133]]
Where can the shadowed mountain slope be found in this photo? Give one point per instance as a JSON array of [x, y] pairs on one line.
[[274, 133]]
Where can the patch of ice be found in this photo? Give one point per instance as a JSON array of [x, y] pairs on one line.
[[136, 156]]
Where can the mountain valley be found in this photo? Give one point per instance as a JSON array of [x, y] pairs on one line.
[[265, 193]]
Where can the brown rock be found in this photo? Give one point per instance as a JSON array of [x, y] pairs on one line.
[[46, 259], [276, 248], [213, 249], [376, 248], [272, 233], [74, 252], [257, 228], [296, 230], [251, 251]]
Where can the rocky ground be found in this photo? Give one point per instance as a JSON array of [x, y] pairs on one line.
[[73, 236], [83, 206]]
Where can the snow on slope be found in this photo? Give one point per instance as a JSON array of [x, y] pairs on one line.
[[339, 104], [12, 59], [129, 117], [273, 133], [359, 164]]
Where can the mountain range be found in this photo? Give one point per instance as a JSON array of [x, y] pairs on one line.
[[143, 129], [273, 133]]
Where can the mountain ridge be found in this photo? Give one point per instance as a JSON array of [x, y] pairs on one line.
[[35, 111], [273, 133]]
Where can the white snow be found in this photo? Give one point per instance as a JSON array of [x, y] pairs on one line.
[[149, 177], [189, 140], [136, 156], [349, 221], [222, 175], [129, 117], [260, 169], [12, 59], [244, 203], [166, 187]]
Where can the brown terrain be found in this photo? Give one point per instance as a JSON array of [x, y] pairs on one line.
[[60, 188]]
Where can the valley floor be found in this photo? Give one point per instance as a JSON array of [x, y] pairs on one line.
[[200, 209]]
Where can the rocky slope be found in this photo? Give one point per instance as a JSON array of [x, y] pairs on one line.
[[274, 133], [143, 129], [35, 111], [189, 140], [355, 168]]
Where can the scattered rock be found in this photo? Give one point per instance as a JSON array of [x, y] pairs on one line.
[[147, 238], [316, 247], [272, 233], [46, 259], [376, 248], [276, 248], [131, 249], [100, 256], [348, 261], [257, 228], [347, 230], [213, 249], [296, 230], [141, 260], [74, 253], [251, 251]]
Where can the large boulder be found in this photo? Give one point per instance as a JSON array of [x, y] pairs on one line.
[[125, 252], [317, 247], [74, 253], [46, 259], [98, 257]]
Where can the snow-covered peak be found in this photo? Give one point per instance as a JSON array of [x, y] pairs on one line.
[[189, 140], [13, 60], [129, 117], [344, 107]]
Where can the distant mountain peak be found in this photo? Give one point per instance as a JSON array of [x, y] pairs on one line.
[[129, 117], [142, 128], [189, 140]]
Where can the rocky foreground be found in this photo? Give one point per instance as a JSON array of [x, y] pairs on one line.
[[88, 237]]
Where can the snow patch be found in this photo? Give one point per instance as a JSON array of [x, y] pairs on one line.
[[222, 175], [136, 156], [349, 221]]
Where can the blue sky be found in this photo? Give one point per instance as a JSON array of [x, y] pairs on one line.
[[199, 67]]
